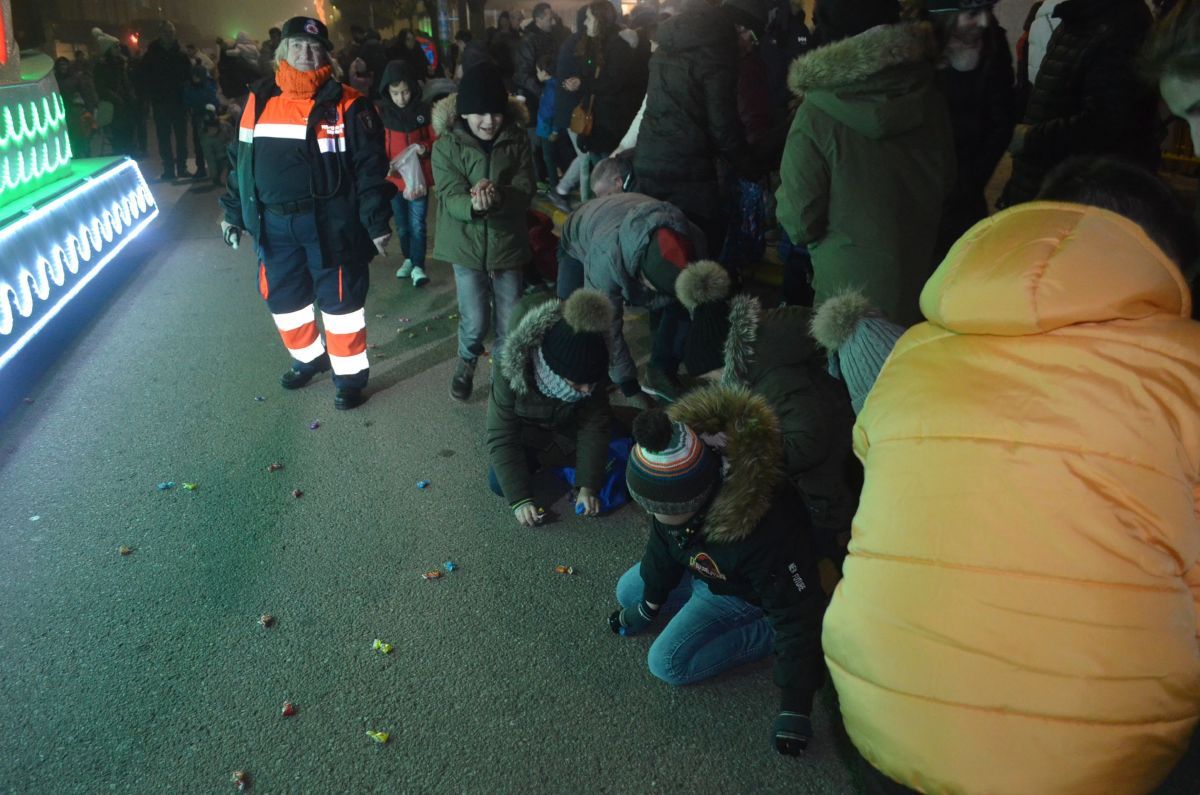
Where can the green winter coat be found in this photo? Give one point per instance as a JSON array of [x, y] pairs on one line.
[[868, 163], [771, 353], [497, 239], [521, 418]]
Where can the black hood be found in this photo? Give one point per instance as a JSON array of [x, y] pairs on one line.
[[412, 116], [701, 26]]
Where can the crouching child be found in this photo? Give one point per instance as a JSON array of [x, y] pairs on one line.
[[549, 405], [729, 563]]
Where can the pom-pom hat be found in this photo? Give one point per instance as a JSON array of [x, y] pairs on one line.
[[576, 346], [670, 471], [858, 339], [704, 288]]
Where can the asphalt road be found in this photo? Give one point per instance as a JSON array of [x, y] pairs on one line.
[[150, 673]]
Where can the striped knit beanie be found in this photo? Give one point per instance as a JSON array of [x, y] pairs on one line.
[[671, 471]]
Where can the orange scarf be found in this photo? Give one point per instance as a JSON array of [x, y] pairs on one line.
[[301, 85]]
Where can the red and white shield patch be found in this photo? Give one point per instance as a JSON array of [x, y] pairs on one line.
[[703, 564]]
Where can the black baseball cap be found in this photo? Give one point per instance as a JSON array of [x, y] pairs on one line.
[[308, 28]]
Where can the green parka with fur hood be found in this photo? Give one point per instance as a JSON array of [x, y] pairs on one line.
[[752, 540], [497, 239], [868, 164], [521, 418]]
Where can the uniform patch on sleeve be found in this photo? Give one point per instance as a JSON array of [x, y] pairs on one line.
[[703, 564]]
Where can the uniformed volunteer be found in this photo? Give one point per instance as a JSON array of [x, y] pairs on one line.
[[310, 187]]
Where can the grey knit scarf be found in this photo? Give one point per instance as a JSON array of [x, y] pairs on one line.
[[551, 384]]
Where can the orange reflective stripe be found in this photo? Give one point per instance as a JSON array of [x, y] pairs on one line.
[[346, 344], [263, 289], [340, 285], [300, 337]]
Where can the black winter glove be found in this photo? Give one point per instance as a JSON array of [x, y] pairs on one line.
[[791, 733], [632, 620]]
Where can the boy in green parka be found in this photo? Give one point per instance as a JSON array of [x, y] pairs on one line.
[[483, 170], [549, 405]]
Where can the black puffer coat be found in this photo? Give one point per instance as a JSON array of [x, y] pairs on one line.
[[983, 112], [691, 113], [1087, 99]]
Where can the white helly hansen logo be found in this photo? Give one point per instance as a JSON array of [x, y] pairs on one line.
[[796, 578]]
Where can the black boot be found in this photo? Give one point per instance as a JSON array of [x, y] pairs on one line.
[[300, 375], [348, 397], [463, 381]]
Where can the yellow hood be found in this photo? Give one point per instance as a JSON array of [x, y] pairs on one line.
[[1044, 265]]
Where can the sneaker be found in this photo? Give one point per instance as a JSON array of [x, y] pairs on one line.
[[348, 397], [463, 381], [662, 385], [418, 276], [297, 377], [404, 270], [559, 201]]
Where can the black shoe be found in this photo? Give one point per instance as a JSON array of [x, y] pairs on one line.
[[348, 397], [662, 385], [294, 378], [463, 381], [167, 176], [184, 174], [201, 174]]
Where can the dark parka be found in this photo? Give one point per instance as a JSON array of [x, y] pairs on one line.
[[165, 69], [497, 239], [868, 164], [535, 43], [771, 353], [520, 418], [983, 112], [751, 541], [1088, 98], [569, 65], [691, 114], [352, 196]]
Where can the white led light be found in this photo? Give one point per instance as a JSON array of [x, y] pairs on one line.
[[77, 233]]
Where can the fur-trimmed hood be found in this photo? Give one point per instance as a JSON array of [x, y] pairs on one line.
[[753, 456], [446, 118], [516, 362], [872, 82], [761, 340]]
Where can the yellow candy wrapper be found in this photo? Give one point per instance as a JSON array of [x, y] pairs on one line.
[[379, 645], [379, 737]]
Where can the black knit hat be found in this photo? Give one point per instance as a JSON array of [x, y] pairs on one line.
[[704, 289], [482, 91], [308, 28], [841, 19], [670, 469], [576, 346]]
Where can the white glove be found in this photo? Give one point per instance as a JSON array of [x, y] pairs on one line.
[[381, 242], [232, 234]]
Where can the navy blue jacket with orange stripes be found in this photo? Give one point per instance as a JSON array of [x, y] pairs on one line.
[[348, 162]]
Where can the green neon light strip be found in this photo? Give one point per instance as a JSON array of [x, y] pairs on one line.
[[28, 127], [23, 174]]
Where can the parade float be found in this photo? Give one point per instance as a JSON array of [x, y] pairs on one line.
[[62, 220]]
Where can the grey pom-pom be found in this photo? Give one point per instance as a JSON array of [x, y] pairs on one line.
[[652, 430], [701, 282], [835, 320], [588, 310]]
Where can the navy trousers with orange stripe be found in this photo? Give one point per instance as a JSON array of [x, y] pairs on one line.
[[294, 279]]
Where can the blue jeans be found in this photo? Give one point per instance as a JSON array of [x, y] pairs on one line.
[[705, 634], [478, 293], [410, 227]]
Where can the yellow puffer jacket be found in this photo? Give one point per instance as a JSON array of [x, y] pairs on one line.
[[1016, 615]]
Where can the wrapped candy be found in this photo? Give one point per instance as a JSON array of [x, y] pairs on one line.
[[379, 645], [266, 620], [241, 779], [124, 550], [564, 569], [288, 709], [432, 575], [379, 737]]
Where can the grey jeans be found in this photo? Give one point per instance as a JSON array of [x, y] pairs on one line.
[[478, 293]]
